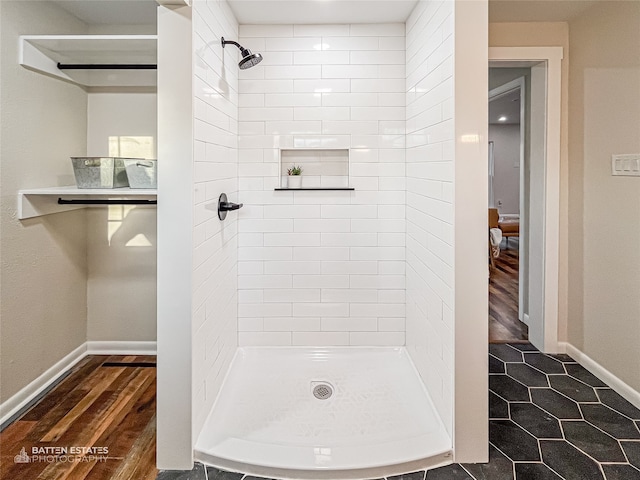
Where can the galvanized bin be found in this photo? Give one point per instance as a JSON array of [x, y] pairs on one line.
[[142, 173], [100, 172]]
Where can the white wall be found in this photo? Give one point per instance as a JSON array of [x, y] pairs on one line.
[[471, 375], [506, 155], [604, 114], [447, 58], [430, 214], [121, 254], [43, 122], [215, 243], [323, 268], [175, 230]]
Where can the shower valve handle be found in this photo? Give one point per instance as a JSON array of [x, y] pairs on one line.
[[228, 206], [224, 206]]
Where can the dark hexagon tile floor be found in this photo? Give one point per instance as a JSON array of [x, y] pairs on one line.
[[584, 375], [610, 421], [556, 404], [536, 421], [495, 365], [508, 388], [569, 462], [535, 471], [572, 388], [499, 467], [550, 420], [498, 408], [505, 353], [527, 375], [515, 442], [632, 450], [593, 441], [614, 401], [621, 472], [544, 363]]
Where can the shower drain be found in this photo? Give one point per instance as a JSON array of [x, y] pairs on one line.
[[322, 391]]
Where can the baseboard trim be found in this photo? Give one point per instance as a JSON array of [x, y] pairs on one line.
[[15, 406], [625, 390], [121, 348]]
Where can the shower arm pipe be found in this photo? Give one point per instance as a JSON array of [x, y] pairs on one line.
[[243, 50], [224, 42]]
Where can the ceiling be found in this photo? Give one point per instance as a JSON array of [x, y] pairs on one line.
[[143, 12], [507, 105], [321, 11], [112, 12]]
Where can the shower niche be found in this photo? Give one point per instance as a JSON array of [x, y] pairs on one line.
[[321, 169]]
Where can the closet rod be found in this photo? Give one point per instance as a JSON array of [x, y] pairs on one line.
[[106, 66], [106, 202]]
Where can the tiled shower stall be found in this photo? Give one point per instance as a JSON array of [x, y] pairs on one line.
[[381, 264]]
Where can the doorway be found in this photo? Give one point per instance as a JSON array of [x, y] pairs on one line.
[[508, 188], [538, 292]]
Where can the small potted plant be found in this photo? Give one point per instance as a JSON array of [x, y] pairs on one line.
[[294, 176]]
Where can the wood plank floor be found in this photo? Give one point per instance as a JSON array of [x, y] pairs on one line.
[[504, 326], [108, 402]]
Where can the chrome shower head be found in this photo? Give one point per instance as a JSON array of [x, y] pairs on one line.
[[248, 59]]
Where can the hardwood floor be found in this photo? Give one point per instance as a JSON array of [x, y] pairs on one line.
[[107, 402], [504, 326]]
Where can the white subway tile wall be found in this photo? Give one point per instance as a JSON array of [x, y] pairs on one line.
[[215, 268], [429, 208], [328, 267]]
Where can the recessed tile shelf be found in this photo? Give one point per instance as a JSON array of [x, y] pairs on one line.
[[322, 168]]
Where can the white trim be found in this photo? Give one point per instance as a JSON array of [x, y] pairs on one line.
[[624, 389], [121, 348], [553, 57], [525, 54], [30, 392]]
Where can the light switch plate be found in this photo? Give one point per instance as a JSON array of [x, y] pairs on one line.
[[626, 165]]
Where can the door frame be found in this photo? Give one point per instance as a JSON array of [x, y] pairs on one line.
[[552, 56]]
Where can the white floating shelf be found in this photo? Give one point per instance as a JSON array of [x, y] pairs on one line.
[[36, 202], [42, 53]]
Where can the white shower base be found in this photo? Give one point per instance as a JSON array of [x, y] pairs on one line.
[[379, 421]]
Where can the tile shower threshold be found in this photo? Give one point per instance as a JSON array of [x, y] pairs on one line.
[[372, 421]]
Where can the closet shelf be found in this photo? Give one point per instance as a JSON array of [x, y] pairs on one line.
[[36, 202], [128, 60]]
